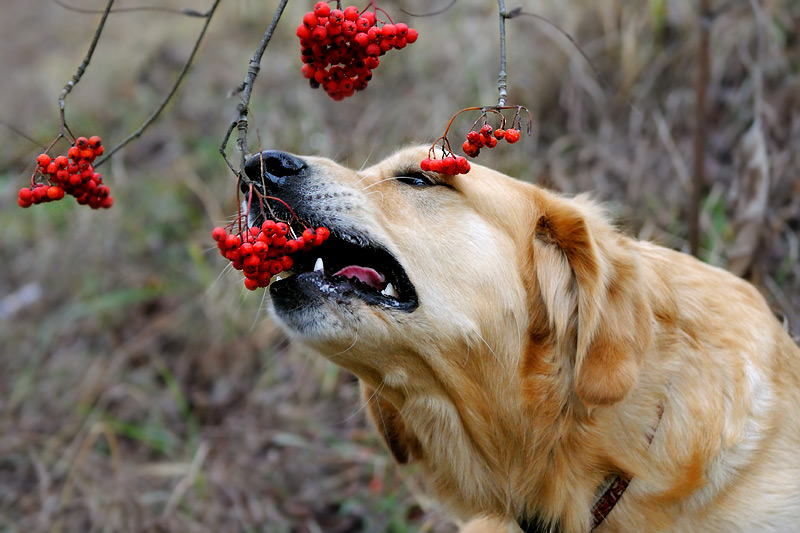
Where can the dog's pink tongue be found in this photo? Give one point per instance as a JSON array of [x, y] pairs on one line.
[[366, 275]]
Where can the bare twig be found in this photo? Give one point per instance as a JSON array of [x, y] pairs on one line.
[[246, 89], [136, 134], [188, 12], [62, 98], [701, 89], [518, 12], [502, 77], [432, 13], [21, 133]]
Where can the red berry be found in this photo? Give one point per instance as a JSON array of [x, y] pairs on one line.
[[95, 142], [310, 20], [218, 234], [232, 241], [499, 134], [336, 17], [25, 194], [474, 138], [61, 162], [323, 232], [512, 135], [463, 165], [411, 35], [281, 229], [43, 160], [389, 31], [308, 235], [435, 165], [361, 40], [55, 193], [81, 142], [492, 142], [308, 71], [363, 24], [322, 9], [251, 284], [349, 28], [351, 13], [319, 33], [425, 164], [303, 32], [370, 16]]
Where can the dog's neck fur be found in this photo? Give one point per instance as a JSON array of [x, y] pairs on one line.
[[476, 463]]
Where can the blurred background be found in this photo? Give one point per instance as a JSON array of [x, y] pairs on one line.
[[143, 389]]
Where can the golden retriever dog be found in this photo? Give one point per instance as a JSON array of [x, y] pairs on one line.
[[545, 371]]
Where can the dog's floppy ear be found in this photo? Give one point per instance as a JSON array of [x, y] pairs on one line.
[[385, 416], [593, 289]]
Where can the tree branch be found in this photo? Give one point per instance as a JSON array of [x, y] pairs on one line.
[[502, 77], [62, 97], [136, 134], [246, 89]]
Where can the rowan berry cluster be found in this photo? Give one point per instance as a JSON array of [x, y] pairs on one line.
[[449, 164], [486, 137], [340, 48], [72, 174], [262, 252]]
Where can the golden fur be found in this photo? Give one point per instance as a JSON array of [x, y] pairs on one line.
[[544, 349]]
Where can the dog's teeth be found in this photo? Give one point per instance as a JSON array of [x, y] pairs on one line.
[[389, 291], [318, 266]]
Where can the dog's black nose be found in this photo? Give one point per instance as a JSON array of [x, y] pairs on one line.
[[274, 169]]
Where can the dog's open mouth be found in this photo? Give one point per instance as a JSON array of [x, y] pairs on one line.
[[347, 266]]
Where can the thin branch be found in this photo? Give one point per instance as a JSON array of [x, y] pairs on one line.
[[246, 89], [185, 11], [136, 134], [82, 67], [21, 133], [518, 12], [502, 77], [701, 90], [432, 13]]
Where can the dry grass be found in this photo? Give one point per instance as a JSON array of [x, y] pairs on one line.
[[143, 391]]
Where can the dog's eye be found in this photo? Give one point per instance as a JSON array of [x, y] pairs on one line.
[[415, 179]]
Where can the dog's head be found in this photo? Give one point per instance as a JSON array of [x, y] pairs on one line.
[[463, 303]]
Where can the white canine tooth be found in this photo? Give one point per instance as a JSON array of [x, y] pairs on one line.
[[389, 291], [318, 265]]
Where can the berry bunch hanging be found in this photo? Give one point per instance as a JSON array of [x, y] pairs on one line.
[[341, 47], [487, 137], [483, 137], [263, 252], [72, 175]]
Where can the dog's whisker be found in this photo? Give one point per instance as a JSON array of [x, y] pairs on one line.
[[378, 182], [365, 404], [376, 192], [352, 344], [261, 307], [369, 156]]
